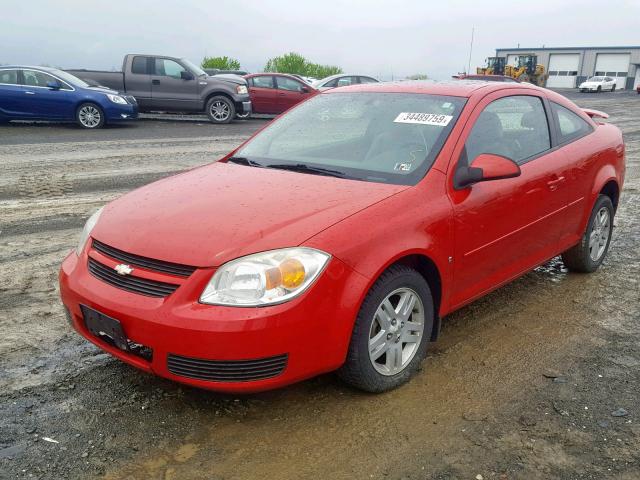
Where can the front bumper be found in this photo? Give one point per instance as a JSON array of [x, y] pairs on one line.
[[313, 330], [243, 107], [118, 113]]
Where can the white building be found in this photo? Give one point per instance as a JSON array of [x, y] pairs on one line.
[[569, 66]]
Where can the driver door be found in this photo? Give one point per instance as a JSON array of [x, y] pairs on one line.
[[506, 227], [169, 91]]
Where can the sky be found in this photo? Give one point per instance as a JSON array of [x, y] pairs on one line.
[[387, 39]]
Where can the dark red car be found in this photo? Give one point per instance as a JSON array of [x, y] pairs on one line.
[[273, 93], [338, 236]]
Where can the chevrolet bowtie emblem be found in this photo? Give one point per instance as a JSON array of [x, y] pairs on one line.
[[123, 269]]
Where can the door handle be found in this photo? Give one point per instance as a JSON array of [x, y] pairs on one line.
[[155, 82], [282, 94], [29, 93], [553, 184]]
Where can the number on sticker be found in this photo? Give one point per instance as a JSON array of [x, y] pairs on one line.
[[424, 118]]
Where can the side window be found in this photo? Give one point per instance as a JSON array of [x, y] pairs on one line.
[[139, 65], [288, 84], [515, 127], [34, 78], [331, 83], [344, 81], [367, 80], [263, 81], [9, 77], [168, 68], [571, 125]]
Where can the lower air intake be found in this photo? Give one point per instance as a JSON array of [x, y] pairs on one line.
[[227, 370]]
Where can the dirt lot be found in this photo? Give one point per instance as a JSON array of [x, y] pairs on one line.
[[538, 380]]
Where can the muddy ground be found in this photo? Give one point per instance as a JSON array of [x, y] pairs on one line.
[[540, 379]]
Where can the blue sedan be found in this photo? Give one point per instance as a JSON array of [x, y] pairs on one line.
[[39, 93]]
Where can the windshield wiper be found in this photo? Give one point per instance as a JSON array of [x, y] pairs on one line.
[[245, 161], [303, 168]]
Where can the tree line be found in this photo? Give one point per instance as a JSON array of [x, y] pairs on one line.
[[288, 63]]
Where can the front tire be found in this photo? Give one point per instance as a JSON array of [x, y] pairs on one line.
[[391, 333], [599, 89], [613, 89], [586, 256], [220, 109], [90, 116]]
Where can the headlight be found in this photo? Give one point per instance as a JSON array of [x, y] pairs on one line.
[[265, 278], [117, 99], [241, 89], [86, 231]]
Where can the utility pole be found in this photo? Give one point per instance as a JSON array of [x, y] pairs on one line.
[[470, 51]]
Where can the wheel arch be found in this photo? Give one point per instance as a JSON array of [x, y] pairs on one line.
[[426, 266], [216, 93], [611, 190]]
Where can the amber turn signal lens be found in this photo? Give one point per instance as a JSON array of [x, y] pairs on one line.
[[293, 273]]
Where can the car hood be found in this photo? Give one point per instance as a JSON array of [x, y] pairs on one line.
[[229, 77], [103, 90], [213, 214]]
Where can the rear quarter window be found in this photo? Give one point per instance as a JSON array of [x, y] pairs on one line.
[[570, 125], [139, 65]]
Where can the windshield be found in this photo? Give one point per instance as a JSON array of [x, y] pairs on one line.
[[193, 67], [377, 137], [596, 79], [72, 79]]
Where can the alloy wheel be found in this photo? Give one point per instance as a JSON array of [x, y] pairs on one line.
[[600, 232], [220, 111], [89, 116], [396, 331]]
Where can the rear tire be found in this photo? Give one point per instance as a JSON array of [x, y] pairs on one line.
[[90, 116], [599, 89], [220, 109], [391, 333], [588, 255]]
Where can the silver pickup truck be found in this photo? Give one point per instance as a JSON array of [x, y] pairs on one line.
[[169, 84]]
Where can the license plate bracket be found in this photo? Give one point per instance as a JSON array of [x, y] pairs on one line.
[[105, 328]]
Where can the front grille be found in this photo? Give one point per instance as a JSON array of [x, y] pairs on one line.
[[144, 262], [143, 286], [131, 99], [227, 370]]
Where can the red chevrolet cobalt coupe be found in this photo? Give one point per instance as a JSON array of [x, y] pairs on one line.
[[338, 237]]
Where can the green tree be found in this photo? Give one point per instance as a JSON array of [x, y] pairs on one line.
[[221, 63], [295, 63], [418, 76]]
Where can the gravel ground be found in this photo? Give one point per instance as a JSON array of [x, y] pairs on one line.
[[538, 380]]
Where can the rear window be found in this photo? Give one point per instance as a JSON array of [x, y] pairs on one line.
[[571, 126], [377, 137]]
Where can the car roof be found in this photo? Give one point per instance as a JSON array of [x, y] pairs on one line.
[[29, 67], [454, 88]]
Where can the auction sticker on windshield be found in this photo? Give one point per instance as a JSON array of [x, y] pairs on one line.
[[424, 118]]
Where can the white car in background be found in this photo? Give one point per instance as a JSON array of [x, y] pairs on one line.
[[342, 80], [598, 84]]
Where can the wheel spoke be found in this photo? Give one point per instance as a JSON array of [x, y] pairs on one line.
[[378, 345], [394, 358], [405, 306]]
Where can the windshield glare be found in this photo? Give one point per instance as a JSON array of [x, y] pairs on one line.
[[378, 137], [196, 70], [72, 79], [596, 79]]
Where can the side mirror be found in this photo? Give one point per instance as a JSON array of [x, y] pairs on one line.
[[484, 168], [54, 85], [184, 75], [304, 89]]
